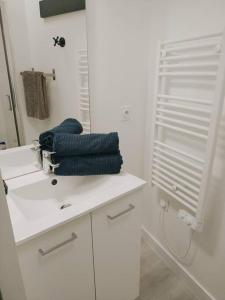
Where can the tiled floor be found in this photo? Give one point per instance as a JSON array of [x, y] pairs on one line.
[[158, 282]]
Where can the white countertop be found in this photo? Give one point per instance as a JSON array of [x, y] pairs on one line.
[[96, 192]]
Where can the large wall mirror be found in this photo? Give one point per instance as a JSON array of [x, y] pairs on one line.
[[55, 46]]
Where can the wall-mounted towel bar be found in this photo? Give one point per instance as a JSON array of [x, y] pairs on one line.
[[52, 75], [183, 113]]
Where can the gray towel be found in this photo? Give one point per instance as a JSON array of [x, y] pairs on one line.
[[35, 89]]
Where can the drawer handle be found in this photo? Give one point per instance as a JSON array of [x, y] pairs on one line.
[[131, 207], [45, 252]]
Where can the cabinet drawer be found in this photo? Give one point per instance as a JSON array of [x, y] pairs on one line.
[[59, 264], [116, 240]]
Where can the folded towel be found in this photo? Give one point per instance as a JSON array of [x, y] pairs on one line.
[[35, 89], [74, 144], [88, 165], [69, 126]]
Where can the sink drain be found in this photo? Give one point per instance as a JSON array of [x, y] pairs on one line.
[[65, 206], [54, 182]]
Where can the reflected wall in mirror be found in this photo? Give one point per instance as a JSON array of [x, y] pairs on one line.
[[28, 45], [9, 131]]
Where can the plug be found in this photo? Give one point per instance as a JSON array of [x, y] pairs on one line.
[[187, 218]]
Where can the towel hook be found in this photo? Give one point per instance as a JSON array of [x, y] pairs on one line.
[[59, 41]]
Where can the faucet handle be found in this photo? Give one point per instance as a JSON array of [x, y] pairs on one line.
[[47, 154], [51, 153], [54, 166]]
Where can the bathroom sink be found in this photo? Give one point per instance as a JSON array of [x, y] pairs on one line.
[[18, 161], [51, 194], [39, 202]]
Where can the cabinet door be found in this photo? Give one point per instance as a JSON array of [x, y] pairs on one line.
[[59, 264], [116, 240]]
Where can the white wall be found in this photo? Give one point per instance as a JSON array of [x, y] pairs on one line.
[[172, 20], [19, 52], [117, 45], [3, 135], [7, 124], [64, 92], [118, 54]]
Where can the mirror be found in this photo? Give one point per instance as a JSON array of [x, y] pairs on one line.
[[56, 46]]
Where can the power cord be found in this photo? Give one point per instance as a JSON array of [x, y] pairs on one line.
[[171, 250]]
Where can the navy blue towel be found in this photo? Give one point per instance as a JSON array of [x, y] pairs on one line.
[[71, 126], [88, 165], [74, 144]]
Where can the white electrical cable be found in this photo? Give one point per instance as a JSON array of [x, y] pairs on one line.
[[173, 252]]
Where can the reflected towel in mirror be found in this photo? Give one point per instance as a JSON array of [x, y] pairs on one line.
[[35, 89]]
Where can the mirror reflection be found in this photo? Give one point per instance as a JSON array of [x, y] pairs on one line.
[[44, 71]]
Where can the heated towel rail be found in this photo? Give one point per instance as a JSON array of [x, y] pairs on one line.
[[180, 173], [84, 90]]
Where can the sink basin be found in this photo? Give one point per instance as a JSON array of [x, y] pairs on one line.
[[38, 202], [49, 195], [18, 161]]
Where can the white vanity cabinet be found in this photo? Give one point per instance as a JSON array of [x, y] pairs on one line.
[[116, 243], [95, 257], [66, 272], [76, 237]]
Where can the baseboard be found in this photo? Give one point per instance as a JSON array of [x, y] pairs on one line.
[[176, 266]]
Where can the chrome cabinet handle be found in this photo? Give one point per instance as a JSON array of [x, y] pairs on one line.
[[10, 102], [45, 252], [131, 207]]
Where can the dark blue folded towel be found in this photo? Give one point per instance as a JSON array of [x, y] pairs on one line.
[[71, 126], [88, 165], [74, 144]]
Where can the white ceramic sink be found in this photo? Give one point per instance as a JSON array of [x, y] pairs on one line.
[[51, 194], [18, 161], [35, 203]]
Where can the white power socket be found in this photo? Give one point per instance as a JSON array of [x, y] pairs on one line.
[[187, 218], [126, 112]]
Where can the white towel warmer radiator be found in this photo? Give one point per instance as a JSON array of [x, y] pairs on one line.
[[84, 90], [181, 174]]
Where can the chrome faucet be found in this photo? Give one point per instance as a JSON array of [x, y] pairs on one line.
[[48, 166], [44, 158]]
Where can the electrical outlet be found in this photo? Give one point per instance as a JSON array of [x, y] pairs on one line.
[[126, 113]]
